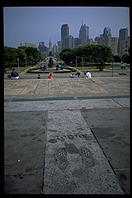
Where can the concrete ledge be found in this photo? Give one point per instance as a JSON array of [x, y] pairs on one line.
[[25, 98]]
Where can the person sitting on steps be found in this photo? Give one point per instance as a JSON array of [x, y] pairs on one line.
[[88, 74], [75, 75], [50, 76], [14, 74]]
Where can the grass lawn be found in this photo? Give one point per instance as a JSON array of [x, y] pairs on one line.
[[20, 69], [106, 69]]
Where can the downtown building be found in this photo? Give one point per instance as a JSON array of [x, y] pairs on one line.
[[77, 42], [107, 40], [28, 45], [59, 46], [69, 42], [64, 35], [123, 42], [50, 49], [119, 46], [55, 49], [84, 34], [42, 48]]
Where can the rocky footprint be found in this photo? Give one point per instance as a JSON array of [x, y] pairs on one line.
[[61, 158], [86, 156]]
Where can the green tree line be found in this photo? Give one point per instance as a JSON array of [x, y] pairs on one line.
[[25, 56], [97, 54]]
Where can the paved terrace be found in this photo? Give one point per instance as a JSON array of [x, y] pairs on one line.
[[67, 136], [67, 87]]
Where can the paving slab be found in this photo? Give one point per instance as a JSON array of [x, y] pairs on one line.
[[111, 128], [111, 117], [24, 142], [74, 162], [61, 105], [124, 179]]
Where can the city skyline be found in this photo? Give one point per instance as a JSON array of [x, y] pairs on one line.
[[36, 24]]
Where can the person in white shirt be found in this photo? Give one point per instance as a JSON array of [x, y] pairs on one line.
[[88, 74]]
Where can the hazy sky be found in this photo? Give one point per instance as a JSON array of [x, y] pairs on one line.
[[35, 24]]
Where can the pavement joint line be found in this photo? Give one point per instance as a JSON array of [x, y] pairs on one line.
[[10, 99], [117, 102], [36, 87], [99, 85]]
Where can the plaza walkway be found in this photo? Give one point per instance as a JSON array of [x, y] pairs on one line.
[[67, 136]]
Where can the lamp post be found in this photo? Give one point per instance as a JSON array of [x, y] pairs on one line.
[[82, 61], [25, 61], [112, 69], [76, 61], [18, 62]]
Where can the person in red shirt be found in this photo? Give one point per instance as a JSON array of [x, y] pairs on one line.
[[50, 76]]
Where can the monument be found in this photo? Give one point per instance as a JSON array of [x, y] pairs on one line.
[[50, 64]]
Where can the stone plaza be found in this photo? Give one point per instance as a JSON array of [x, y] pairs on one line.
[[67, 136]]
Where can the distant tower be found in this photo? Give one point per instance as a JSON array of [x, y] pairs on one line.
[[42, 47], [123, 36], [64, 34], [50, 45], [50, 48], [107, 31], [84, 34]]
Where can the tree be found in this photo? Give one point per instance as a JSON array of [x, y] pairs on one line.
[[126, 58], [66, 55], [77, 52], [117, 58], [103, 54], [30, 54], [90, 53], [10, 57], [21, 54]]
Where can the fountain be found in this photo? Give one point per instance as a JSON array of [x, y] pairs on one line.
[[51, 65]]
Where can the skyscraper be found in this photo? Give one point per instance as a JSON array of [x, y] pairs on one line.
[[59, 46], [84, 34], [77, 42], [107, 31], [107, 40], [50, 44], [113, 45], [50, 48], [123, 36], [69, 42], [64, 34]]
